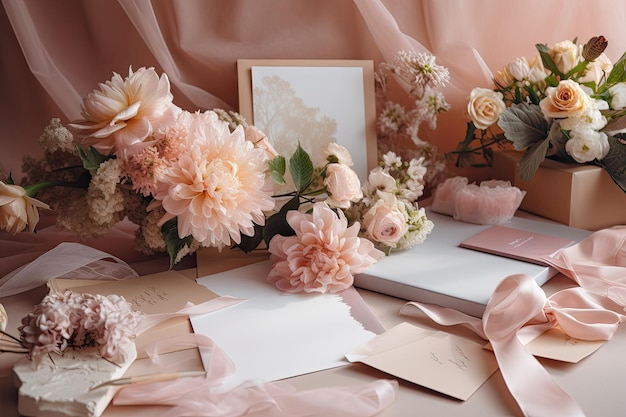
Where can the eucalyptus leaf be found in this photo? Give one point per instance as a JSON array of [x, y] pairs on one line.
[[173, 243], [534, 156], [301, 168], [557, 140], [523, 124], [277, 224], [614, 162]]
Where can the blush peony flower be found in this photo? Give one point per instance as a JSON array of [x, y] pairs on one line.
[[323, 255], [18, 211], [216, 188], [122, 115]]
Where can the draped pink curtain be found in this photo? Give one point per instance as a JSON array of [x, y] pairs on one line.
[[55, 52]]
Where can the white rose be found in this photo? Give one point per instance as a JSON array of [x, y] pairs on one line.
[[385, 223], [565, 100], [597, 70], [485, 107], [566, 55], [585, 145], [618, 96], [343, 186]]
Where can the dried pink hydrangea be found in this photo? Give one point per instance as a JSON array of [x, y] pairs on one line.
[[77, 320]]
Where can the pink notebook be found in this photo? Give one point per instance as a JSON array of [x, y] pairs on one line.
[[516, 243]]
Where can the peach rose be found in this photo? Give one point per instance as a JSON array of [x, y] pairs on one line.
[[18, 211], [385, 222], [485, 107], [343, 185], [565, 100]]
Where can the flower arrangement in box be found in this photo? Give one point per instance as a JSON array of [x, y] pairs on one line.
[[204, 179], [568, 103]]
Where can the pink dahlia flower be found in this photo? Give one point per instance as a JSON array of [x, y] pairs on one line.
[[323, 256], [216, 186], [123, 114]]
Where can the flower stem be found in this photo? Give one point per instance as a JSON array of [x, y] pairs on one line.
[[32, 190]]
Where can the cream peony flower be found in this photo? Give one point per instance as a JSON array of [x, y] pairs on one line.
[[323, 255], [343, 185], [18, 211], [123, 114], [216, 188], [485, 107]]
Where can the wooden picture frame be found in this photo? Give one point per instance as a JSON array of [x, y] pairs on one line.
[[299, 101]]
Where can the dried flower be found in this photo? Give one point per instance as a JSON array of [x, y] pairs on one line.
[[74, 320]]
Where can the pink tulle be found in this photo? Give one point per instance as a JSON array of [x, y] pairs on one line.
[[493, 202]]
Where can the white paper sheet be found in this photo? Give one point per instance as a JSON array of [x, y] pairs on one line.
[[275, 335]]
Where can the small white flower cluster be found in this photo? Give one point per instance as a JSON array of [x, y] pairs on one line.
[[398, 125], [389, 213], [75, 320]]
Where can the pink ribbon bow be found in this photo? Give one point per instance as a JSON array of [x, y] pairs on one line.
[[519, 311]]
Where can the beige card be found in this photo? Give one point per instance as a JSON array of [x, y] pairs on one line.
[[554, 344], [164, 292], [437, 360]]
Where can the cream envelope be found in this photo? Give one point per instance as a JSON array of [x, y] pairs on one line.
[[437, 360], [554, 344]]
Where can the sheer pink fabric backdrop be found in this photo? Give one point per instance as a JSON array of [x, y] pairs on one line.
[[54, 53]]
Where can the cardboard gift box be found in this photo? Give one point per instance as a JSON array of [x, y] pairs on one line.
[[581, 196]]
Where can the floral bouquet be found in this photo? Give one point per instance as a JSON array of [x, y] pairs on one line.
[[567, 103], [205, 179]]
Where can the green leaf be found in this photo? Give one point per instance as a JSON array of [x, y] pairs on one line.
[[277, 168], [173, 243], [547, 60], [249, 243], [92, 158], [277, 224], [532, 95], [618, 73], [301, 168], [613, 162], [577, 70], [523, 124], [534, 156]]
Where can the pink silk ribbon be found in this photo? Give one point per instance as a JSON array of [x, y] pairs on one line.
[[519, 311], [203, 397]]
